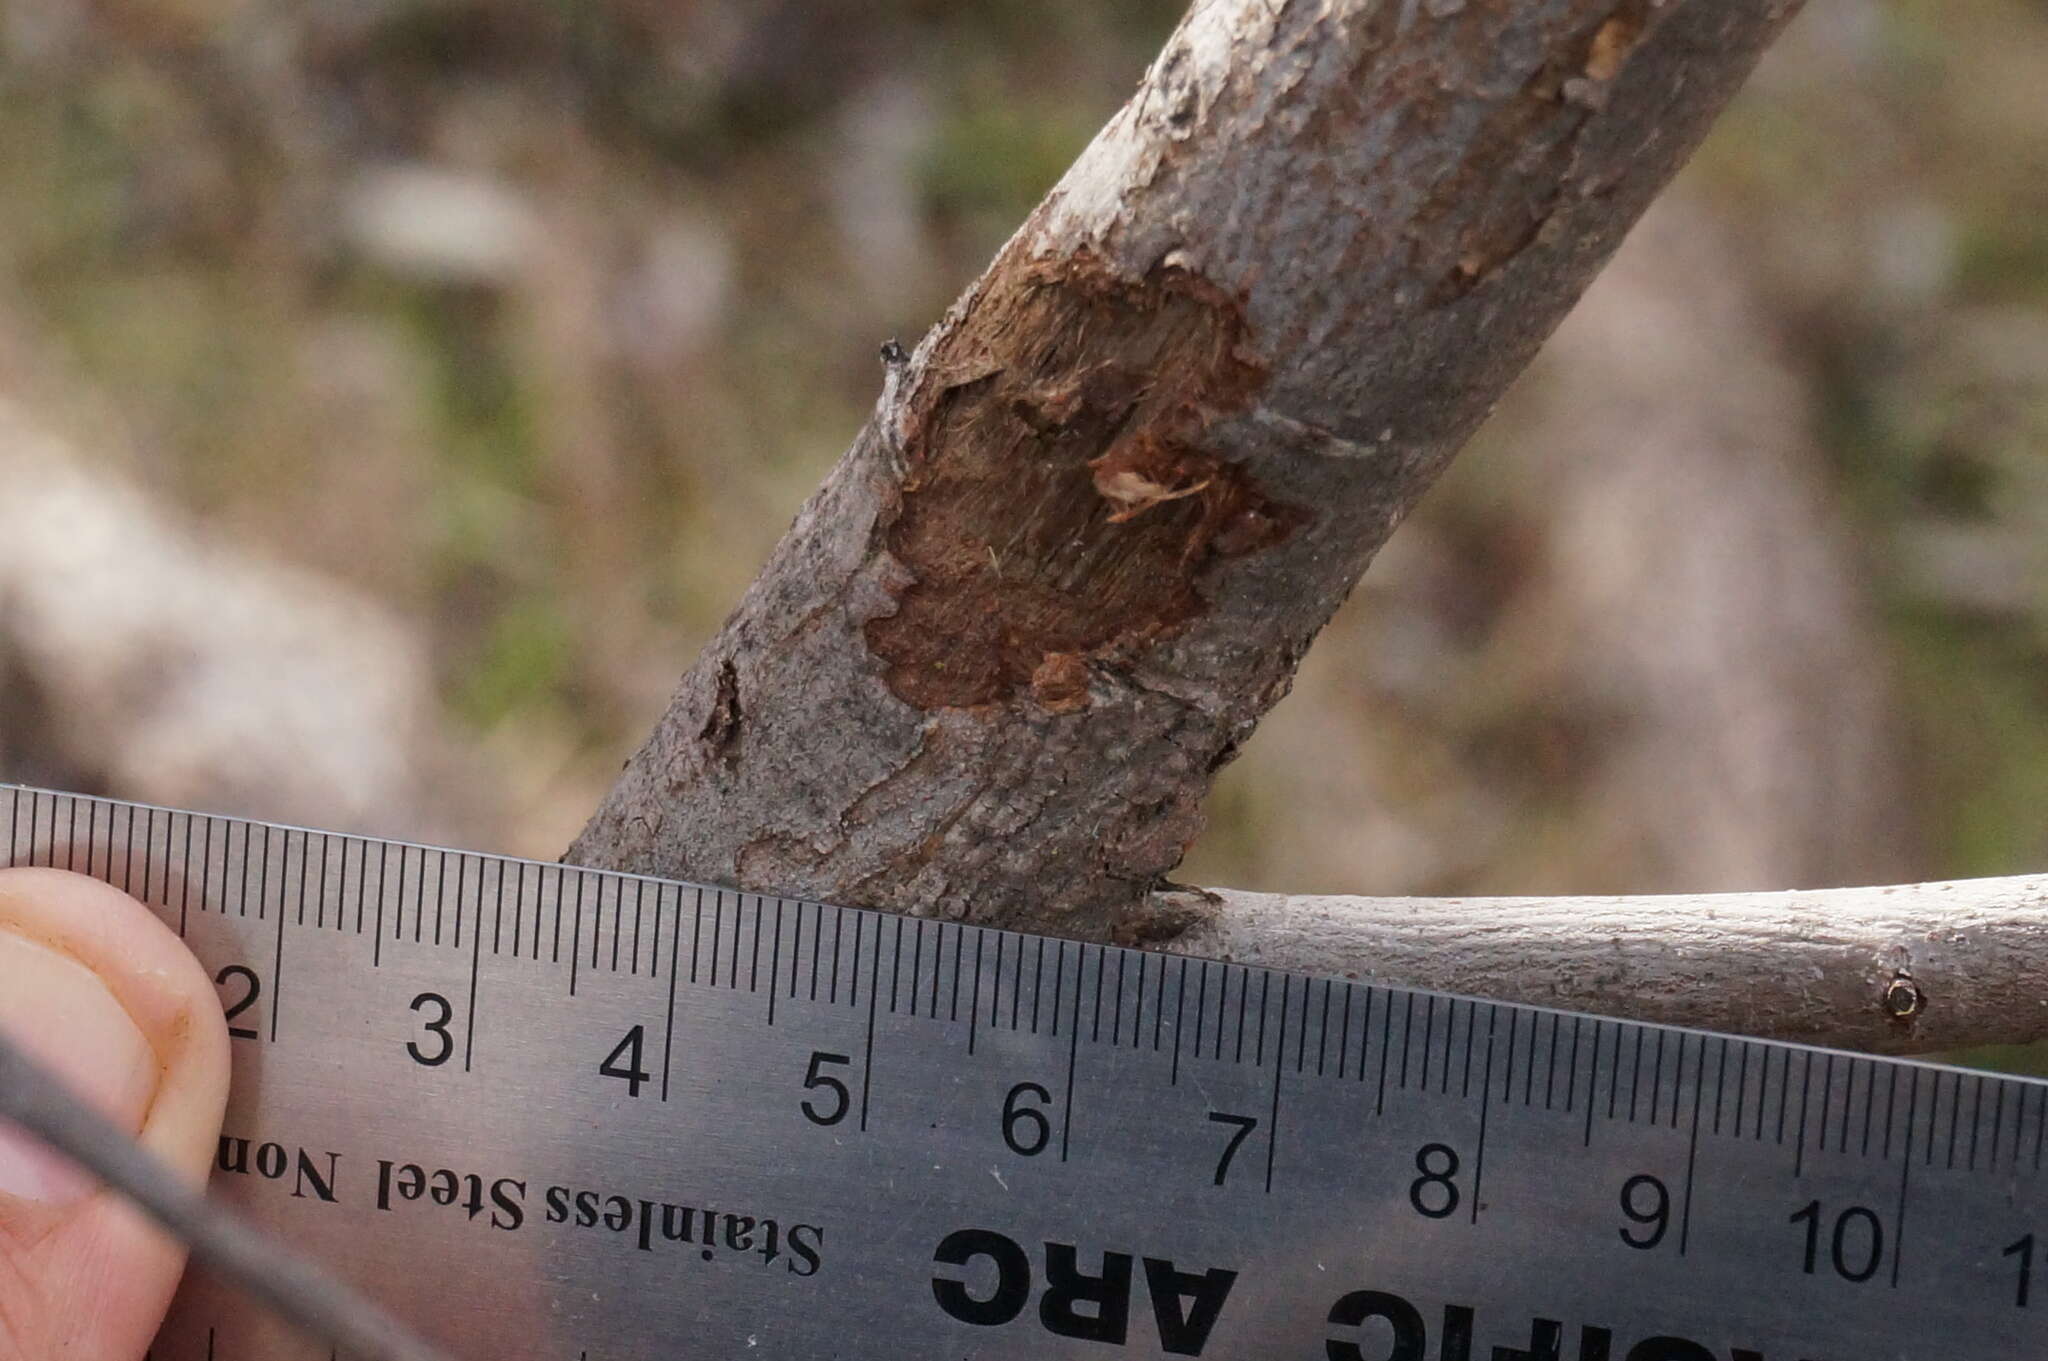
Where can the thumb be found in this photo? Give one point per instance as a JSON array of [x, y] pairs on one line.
[[99, 991]]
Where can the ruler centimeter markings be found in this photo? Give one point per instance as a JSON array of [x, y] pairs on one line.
[[688, 1122]]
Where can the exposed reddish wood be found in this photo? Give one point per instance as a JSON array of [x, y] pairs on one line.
[[1056, 500]]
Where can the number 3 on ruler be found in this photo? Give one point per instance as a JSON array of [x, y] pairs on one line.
[[436, 1026]]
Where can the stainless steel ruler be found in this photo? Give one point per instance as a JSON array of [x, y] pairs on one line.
[[554, 1113]]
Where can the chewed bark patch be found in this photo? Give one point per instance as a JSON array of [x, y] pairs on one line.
[[1057, 504]]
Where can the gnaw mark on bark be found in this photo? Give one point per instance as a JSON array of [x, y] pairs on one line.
[[1166, 914], [1530, 153], [721, 730], [1056, 501], [1612, 43], [1134, 486], [1060, 683]]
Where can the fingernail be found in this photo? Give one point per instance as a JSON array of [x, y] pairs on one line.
[[57, 1011]]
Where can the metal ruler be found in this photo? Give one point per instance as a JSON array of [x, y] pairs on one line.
[[554, 1113]]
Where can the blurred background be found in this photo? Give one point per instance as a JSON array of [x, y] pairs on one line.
[[394, 393]]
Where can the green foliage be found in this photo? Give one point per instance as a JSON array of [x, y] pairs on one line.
[[524, 664], [993, 161]]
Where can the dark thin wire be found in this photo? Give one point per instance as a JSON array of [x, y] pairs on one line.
[[319, 1304]]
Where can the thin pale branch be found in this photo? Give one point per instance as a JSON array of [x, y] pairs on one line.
[[1899, 968]]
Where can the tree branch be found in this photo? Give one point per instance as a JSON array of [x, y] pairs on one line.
[[1099, 515], [1904, 968]]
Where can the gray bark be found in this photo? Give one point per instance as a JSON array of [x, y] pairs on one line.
[[1098, 516]]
